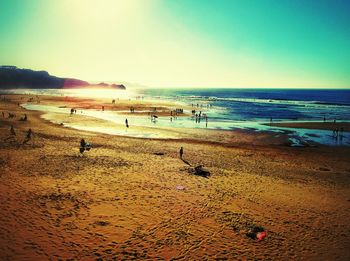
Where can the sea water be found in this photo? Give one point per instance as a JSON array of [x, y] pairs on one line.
[[264, 104], [229, 109]]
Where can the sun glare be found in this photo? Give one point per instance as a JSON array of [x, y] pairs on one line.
[[96, 15]]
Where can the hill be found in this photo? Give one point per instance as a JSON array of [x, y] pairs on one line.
[[12, 77]]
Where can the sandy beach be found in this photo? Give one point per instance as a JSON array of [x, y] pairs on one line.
[[134, 198]]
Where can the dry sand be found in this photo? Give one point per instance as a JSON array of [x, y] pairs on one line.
[[121, 201]]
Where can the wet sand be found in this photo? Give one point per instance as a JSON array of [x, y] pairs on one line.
[[132, 198]]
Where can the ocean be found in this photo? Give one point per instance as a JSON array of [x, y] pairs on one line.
[[225, 109], [263, 104]]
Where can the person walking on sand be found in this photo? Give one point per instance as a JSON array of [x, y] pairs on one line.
[[181, 152], [28, 136], [126, 123]]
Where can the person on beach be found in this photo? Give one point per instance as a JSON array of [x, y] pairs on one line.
[[28, 136], [103, 108], [71, 111], [84, 146], [126, 123], [181, 152], [12, 134], [206, 121], [12, 131], [24, 118]]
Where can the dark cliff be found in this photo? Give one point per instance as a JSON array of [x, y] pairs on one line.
[[12, 77]]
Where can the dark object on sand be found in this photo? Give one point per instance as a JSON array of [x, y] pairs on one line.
[[24, 118], [12, 131], [159, 153], [256, 232], [185, 161], [199, 171], [102, 223], [84, 146], [181, 152], [28, 136]]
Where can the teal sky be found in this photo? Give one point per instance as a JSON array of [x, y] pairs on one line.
[[184, 43]]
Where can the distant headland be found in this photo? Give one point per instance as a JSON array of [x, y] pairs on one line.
[[12, 77]]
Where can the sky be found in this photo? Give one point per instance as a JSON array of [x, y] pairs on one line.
[[182, 43]]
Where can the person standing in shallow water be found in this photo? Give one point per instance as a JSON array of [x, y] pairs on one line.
[[181, 152], [126, 123]]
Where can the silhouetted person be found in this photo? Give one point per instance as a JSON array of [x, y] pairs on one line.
[[28, 136], [82, 146], [12, 133], [126, 123], [103, 108], [181, 152]]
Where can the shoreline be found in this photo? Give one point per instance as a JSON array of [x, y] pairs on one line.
[[142, 124]]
